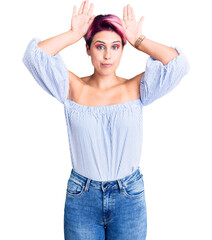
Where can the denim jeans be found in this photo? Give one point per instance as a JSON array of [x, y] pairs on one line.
[[111, 210]]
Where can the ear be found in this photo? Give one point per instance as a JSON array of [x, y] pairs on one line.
[[87, 49]]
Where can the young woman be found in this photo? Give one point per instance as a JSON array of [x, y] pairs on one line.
[[105, 196]]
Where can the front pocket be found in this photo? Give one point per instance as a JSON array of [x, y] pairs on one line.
[[134, 189], [74, 188]]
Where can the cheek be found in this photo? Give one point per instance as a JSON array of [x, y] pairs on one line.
[[118, 58], [95, 61]]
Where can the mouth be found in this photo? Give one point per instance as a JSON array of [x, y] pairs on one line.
[[107, 65]]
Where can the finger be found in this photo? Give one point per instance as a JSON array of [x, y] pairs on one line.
[[128, 12], [141, 19], [85, 8], [81, 7], [125, 13], [74, 11], [91, 19], [90, 9], [133, 14], [123, 24]]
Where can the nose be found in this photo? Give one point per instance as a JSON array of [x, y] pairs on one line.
[[107, 54]]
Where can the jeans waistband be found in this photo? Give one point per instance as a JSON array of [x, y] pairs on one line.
[[104, 185]]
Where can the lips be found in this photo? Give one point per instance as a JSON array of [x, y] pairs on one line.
[[106, 65]]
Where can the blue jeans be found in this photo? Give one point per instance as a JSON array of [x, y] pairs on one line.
[[111, 210]]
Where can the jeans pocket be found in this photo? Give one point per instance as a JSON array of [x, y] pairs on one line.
[[134, 189], [74, 188]]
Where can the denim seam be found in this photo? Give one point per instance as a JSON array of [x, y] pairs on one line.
[[76, 181], [133, 181], [76, 194], [133, 196], [106, 219]]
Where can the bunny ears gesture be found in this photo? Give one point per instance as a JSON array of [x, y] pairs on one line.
[[132, 28], [81, 21]]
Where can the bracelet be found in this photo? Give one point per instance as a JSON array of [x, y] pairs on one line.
[[139, 40]]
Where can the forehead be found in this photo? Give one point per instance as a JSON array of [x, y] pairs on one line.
[[106, 36]]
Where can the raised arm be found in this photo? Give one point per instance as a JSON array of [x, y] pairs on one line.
[[54, 45], [43, 60], [79, 25], [165, 66], [157, 51], [133, 31]]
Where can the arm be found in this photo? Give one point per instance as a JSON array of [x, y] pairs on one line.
[[159, 79], [44, 62], [79, 25], [165, 66], [157, 51], [133, 30], [54, 45]]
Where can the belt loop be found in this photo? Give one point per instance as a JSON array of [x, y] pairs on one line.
[[120, 185], [87, 185]]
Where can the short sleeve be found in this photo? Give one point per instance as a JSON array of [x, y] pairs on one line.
[[159, 79], [49, 71]]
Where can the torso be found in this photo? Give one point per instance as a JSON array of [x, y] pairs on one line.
[[81, 92]]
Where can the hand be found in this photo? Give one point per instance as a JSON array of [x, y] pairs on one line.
[[80, 22], [133, 29]]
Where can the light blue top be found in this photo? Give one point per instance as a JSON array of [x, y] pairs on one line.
[[105, 141]]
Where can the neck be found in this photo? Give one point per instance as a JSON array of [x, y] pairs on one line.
[[103, 81]]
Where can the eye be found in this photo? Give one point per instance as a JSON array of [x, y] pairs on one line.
[[99, 47], [116, 46]]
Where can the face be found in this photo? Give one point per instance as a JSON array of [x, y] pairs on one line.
[[106, 48]]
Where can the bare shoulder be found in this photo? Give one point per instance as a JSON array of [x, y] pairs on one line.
[[132, 86], [75, 83], [75, 80], [137, 79], [134, 82], [73, 77], [79, 86]]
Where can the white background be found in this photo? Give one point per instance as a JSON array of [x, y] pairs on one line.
[[176, 156]]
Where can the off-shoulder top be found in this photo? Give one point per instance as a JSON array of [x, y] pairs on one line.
[[105, 141]]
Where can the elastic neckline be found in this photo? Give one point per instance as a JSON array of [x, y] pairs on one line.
[[130, 105], [106, 106]]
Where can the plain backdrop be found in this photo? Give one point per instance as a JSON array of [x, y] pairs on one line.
[[176, 155]]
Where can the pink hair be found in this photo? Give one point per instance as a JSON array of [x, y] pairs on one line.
[[107, 22]]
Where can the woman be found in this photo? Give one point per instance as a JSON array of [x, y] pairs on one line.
[[105, 196]]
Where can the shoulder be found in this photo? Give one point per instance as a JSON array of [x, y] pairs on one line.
[[75, 83], [137, 78], [74, 79], [132, 86], [135, 81]]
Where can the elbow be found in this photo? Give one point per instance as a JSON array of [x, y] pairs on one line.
[[174, 55], [179, 60]]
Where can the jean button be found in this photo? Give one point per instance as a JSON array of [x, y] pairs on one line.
[[105, 185]]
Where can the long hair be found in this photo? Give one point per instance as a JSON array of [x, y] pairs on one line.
[[107, 22]]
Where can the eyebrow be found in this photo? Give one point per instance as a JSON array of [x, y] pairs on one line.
[[104, 42]]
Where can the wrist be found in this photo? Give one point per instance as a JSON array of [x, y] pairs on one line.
[[73, 36], [139, 41]]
